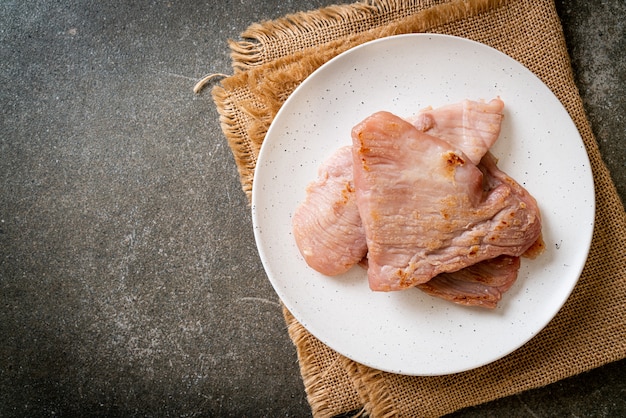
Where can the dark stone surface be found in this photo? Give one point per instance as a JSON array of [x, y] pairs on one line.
[[130, 284]]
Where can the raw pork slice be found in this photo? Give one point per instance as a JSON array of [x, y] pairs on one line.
[[481, 284], [471, 126], [427, 209], [459, 123], [327, 225]]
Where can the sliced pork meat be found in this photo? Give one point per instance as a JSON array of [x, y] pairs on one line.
[[481, 284], [327, 225], [471, 126], [468, 125], [497, 181], [427, 209]]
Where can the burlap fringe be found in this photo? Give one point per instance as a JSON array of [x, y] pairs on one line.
[[372, 390], [369, 15], [237, 139], [250, 52]]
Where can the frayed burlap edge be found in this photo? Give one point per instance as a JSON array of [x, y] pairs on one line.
[[290, 35], [268, 41]]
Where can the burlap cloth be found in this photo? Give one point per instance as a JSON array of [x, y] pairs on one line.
[[272, 58]]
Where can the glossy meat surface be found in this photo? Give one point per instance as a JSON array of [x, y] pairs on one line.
[[426, 209], [327, 225], [471, 126], [481, 284]]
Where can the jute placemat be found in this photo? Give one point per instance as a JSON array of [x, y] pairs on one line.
[[272, 58]]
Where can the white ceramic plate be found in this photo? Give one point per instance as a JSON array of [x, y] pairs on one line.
[[409, 332]]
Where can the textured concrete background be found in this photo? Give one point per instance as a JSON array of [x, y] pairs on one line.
[[130, 284]]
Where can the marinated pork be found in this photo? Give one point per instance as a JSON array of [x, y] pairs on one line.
[[480, 214], [481, 284], [327, 225], [471, 126], [427, 209]]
